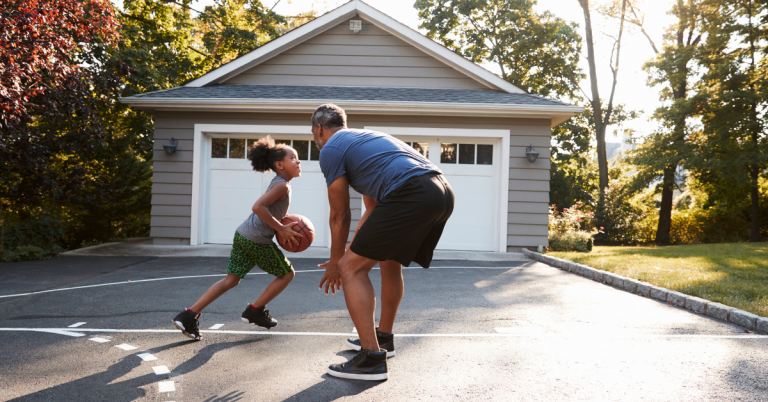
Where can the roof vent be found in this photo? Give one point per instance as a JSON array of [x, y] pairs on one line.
[[356, 25]]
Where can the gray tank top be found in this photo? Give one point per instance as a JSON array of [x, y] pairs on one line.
[[254, 229]]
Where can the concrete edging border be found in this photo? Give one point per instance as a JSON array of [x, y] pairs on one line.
[[715, 310]]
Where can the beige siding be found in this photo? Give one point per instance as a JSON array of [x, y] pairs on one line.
[[528, 182], [371, 57]]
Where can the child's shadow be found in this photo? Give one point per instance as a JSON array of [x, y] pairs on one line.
[[101, 385]]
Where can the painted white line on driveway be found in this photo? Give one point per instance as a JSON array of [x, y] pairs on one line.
[[147, 357], [75, 325], [166, 386], [63, 331], [99, 340], [519, 330], [125, 346], [160, 370], [132, 281], [459, 335], [217, 326]]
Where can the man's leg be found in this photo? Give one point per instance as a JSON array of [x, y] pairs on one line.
[[391, 293], [360, 297]]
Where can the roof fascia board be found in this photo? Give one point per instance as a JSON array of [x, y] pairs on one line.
[[277, 46], [557, 114], [434, 49]]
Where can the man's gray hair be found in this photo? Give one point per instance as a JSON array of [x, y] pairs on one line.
[[329, 116]]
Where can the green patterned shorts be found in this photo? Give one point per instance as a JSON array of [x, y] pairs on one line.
[[247, 254]]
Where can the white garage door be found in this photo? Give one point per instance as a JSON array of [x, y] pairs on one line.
[[233, 187], [471, 167]]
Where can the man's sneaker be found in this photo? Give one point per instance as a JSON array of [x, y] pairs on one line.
[[187, 323], [258, 316], [365, 365], [386, 342]]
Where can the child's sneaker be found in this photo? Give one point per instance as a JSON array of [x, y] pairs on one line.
[[366, 365], [187, 323], [258, 316], [386, 342]]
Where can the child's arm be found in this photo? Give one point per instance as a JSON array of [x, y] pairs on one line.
[[277, 192]]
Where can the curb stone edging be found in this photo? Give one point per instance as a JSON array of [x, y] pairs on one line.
[[698, 305]]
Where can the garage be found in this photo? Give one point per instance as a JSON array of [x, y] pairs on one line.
[[474, 125]]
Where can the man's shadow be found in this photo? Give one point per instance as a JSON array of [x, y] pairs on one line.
[[332, 388], [101, 386]]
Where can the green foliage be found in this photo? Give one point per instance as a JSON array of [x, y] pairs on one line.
[[572, 241], [28, 253], [537, 52], [618, 215]]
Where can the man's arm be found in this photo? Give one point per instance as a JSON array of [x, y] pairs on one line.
[[338, 197]]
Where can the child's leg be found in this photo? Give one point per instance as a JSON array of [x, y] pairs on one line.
[[273, 289], [215, 291]]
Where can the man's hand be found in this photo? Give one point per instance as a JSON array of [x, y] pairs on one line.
[[332, 277], [289, 235]]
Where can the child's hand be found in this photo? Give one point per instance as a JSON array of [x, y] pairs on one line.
[[290, 237]]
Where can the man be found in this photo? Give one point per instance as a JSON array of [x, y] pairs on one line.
[[407, 203]]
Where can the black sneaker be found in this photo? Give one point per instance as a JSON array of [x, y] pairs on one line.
[[187, 323], [386, 342], [366, 365], [258, 316]]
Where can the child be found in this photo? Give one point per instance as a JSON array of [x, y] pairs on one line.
[[253, 240]]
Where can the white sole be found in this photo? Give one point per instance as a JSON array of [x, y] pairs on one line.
[[180, 327], [364, 377], [245, 320], [357, 348]]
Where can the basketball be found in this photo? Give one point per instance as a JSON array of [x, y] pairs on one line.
[[304, 227]]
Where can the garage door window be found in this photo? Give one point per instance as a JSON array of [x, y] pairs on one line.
[[420, 147], [468, 154], [235, 148], [305, 150]]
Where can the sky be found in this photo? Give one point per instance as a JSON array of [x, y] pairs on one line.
[[631, 88]]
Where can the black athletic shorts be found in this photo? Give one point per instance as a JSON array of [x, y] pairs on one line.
[[406, 225]]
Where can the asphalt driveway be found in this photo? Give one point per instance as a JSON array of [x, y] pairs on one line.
[[467, 330]]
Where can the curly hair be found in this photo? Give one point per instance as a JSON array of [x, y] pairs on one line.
[[264, 153]]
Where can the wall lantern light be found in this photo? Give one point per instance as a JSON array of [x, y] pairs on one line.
[[170, 147], [531, 154], [356, 25]]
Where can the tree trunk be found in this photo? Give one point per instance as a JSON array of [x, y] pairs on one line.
[[597, 108], [754, 233], [665, 211]]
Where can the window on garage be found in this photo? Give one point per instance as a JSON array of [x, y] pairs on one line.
[[420, 147], [466, 154], [235, 148]]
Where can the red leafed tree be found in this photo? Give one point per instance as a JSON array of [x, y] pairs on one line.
[[55, 82]]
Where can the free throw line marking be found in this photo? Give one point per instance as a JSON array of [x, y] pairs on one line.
[[147, 357], [219, 275], [166, 386], [99, 340], [125, 346], [467, 335]]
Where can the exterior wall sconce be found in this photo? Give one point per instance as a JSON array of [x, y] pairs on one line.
[[531, 154], [356, 25], [170, 147]]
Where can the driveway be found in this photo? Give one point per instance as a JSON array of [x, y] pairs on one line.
[[98, 328]]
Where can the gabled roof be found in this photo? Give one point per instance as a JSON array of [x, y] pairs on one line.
[[335, 17]]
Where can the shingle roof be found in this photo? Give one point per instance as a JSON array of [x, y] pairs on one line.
[[481, 96]]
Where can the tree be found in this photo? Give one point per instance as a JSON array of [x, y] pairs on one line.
[[536, 52], [602, 116], [673, 68], [731, 150], [52, 85]]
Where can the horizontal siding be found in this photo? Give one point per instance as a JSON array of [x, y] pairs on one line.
[[178, 178], [529, 174], [172, 167], [172, 210], [371, 57], [528, 218], [183, 145], [164, 231], [519, 152], [529, 207], [529, 185], [172, 221], [167, 199], [522, 163], [171, 189], [526, 230], [178, 156], [529, 196]]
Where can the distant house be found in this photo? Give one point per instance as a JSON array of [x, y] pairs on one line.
[[472, 124]]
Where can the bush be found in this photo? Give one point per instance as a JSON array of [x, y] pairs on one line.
[[28, 253], [571, 229], [618, 216], [571, 241]]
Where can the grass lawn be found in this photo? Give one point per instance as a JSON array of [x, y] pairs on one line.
[[734, 274]]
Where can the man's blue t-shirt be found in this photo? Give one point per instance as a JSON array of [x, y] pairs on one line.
[[375, 163]]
